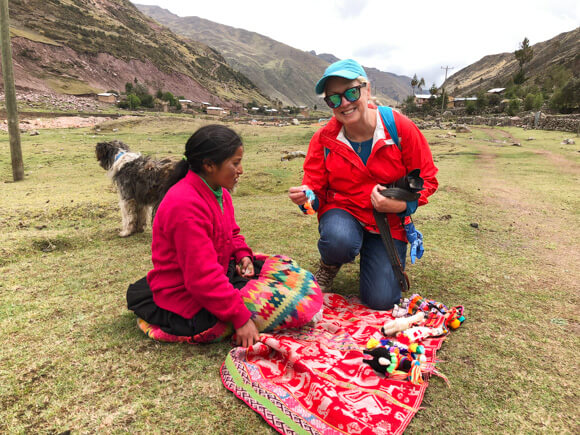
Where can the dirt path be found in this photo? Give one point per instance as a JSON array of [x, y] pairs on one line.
[[538, 224], [498, 134]]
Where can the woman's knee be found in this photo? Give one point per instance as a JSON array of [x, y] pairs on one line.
[[380, 298], [340, 237]]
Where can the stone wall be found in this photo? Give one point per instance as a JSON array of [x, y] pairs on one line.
[[542, 121]]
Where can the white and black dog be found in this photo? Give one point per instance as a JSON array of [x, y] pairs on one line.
[[140, 181]]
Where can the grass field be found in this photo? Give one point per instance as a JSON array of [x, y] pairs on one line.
[[73, 359]]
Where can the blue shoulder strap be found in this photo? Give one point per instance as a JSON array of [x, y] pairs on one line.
[[389, 120]]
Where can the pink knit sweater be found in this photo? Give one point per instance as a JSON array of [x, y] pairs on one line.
[[193, 242]]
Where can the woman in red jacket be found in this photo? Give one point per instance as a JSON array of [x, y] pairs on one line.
[[347, 165], [203, 269]]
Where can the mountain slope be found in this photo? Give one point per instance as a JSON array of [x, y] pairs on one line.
[[496, 70], [85, 46], [280, 71]]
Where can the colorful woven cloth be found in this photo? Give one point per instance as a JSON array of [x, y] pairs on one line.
[[313, 380], [283, 296]]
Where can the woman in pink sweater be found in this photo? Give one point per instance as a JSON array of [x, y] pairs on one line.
[[199, 256]]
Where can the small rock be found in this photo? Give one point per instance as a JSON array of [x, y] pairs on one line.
[[474, 225], [568, 142], [516, 144]]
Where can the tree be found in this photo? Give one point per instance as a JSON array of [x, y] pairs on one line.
[[524, 55], [414, 82], [421, 83], [433, 89]]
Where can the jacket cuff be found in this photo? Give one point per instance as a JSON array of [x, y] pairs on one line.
[[241, 253], [411, 208], [241, 317]]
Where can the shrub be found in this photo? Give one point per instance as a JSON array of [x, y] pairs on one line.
[[147, 101], [133, 100], [533, 101], [410, 106], [567, 99], [494, 99], [513, 107], [470, 107]]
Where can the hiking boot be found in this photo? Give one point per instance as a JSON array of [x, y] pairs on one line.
[[325, 275]]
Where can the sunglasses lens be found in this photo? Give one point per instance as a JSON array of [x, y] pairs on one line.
[[333, 101], [352, 94]]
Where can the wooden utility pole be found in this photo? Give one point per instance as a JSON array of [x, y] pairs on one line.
[[10, 94], [446, 68]]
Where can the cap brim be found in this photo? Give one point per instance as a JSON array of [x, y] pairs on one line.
[[345, 74]]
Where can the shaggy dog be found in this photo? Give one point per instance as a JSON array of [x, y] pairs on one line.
[[140, 181]]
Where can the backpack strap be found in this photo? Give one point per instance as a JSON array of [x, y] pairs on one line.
[[389, 120]]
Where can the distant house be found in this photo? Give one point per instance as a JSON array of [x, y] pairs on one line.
[[421, 99], [213, 110], [461, 101], [107, 97], [186, 103], [496, 91]]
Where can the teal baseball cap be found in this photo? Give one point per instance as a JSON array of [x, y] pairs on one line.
[[347, 68]]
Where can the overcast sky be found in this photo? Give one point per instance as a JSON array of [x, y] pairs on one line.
[[400, 37]]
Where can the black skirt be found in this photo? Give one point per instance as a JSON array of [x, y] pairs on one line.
[[140, 301]]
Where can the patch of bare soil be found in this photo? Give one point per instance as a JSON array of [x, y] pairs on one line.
[[60, 122]]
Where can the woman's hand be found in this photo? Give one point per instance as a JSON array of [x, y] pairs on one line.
[[247, 335], [385, 204], [297, 195], [245, 267]]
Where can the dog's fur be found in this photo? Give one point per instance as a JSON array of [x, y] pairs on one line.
[[140, 181]]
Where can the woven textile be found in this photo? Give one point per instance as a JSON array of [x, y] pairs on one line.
[[313, 379], [283, 296]]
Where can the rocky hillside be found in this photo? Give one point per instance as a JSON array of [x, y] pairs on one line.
[[498, 69], [86, 46], [282, 72]]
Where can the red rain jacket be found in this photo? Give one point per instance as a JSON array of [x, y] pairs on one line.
[[341, 180]]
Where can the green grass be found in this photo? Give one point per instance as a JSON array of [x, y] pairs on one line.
[[73, 359]]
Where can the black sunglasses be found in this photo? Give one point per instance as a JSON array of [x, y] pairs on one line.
[[351, 94]]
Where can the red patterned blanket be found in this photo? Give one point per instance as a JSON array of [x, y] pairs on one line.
[[313, 380]]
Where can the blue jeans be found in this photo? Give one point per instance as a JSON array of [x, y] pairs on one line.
[[342, 238]]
